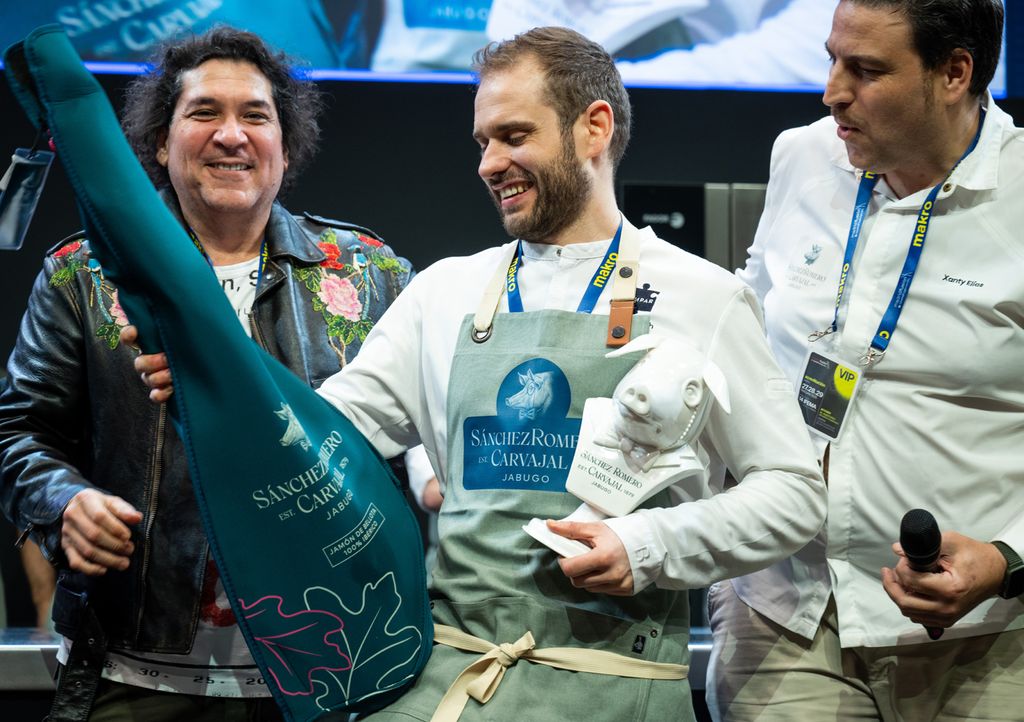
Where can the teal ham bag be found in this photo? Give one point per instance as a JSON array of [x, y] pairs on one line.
[[317, 549]]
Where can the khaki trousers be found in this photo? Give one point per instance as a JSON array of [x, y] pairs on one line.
[[760, 671]]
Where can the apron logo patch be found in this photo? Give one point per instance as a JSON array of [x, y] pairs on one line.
[[645, 298], [529, 442], [639, 643]]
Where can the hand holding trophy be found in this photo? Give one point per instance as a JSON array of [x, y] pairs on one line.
[[644, 438]]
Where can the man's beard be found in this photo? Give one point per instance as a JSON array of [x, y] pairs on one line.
[[562, 190]]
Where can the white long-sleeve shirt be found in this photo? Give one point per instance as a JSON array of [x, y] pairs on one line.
[[398, 384], [938, 423]]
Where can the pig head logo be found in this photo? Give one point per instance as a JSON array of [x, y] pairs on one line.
[[534, 398], [812, 255], [294, 434]]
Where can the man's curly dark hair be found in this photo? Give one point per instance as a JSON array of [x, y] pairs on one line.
[[150, 99]]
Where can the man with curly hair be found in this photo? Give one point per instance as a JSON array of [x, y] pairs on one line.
[[90, 469]]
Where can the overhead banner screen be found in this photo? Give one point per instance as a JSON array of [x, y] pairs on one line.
[[746, 44]]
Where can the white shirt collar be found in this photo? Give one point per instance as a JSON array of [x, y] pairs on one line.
[[576, 251], [979, 170]]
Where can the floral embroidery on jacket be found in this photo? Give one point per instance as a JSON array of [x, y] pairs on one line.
[[343, 298], [103, 295], [341, 291]]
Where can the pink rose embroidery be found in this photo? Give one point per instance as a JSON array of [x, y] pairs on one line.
[[117, 312], [340, 296]]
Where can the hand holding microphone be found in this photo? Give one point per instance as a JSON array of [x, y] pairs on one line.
[[922, 541], [941, 576]]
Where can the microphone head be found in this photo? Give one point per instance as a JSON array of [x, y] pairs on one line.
[[920, 538]]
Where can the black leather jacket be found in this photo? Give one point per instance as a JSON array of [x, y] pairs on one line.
[[75, 414]]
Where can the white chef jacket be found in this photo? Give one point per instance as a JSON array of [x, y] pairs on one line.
[[938, 422], [398, 384]]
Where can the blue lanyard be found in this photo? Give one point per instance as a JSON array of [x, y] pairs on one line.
[[590, 295], [264, 255], [891, 317]]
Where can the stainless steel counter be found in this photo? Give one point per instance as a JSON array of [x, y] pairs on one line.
[[700, 650], [28, 658]]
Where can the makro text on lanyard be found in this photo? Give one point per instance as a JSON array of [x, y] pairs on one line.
[[594, 288], [264, 255], [887, 327]]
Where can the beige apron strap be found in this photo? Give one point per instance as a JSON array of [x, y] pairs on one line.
[[484, 318], [481, 678], [627, 270]]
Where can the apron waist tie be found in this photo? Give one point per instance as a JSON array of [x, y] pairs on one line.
[[481, 678]]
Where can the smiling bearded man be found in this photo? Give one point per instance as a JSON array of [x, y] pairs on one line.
[[496, 397], [563, 190]]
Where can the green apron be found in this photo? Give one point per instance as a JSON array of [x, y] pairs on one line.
[[508, 464]]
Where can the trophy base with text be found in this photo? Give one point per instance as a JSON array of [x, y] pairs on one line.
[[601, 477]]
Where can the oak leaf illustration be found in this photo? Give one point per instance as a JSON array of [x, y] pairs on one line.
[[297, 644], [378, 639]]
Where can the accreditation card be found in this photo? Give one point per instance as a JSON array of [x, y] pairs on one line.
[[826, 392]]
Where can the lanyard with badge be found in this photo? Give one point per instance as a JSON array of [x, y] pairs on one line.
[[618, 267], [828, 384], [590, 295]]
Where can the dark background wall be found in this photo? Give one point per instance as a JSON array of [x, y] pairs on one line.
[[399, 158]]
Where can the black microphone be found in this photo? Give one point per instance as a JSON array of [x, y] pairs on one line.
[[921, 541]]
